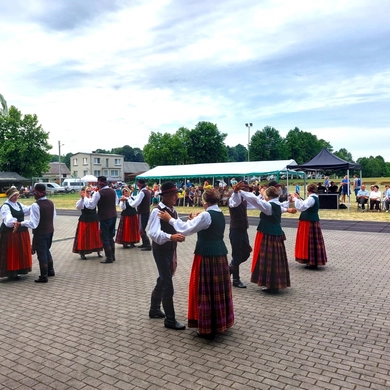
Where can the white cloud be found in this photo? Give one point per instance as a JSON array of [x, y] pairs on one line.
[[105, 75]]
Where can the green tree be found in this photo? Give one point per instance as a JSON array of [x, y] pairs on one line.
[[129, 153], [237, 153], [158, 150], [23, 144], [303, 146], [64, 158], [267, 145], [207, 144], [344, 154]]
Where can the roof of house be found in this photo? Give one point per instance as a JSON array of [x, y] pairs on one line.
[[135, 167], [55, 170]]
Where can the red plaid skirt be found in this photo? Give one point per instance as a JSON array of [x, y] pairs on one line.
[[309, 244], [210, 301], [269, 264], [87, 238], [15, 253], [128, 230]]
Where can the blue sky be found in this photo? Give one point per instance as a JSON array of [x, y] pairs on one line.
[[103, 74]]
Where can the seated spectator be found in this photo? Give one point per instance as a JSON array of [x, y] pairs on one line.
[[198, 196], [283, 193], [333, 188], [320, 189], [362, 197], [386, 198], [375, 198]]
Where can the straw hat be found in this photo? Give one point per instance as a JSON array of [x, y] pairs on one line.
[[11, 192]]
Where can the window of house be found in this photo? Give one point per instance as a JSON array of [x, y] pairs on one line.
[[96, 160], [85, 160], [114, 173], [75, 161], [107, 162], [117, 161], [105, 172], [85, 172], [96, 173], [75, 173]]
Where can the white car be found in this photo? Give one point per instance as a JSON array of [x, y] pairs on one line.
[[53, 188]]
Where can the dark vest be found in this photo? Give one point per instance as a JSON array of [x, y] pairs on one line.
[[238, 216], [144, 206], [19, 215], [311, 214], [167, 228], [107, 204], [46, 209], [88, 215], [128, 211], [210, 241], [270, 224]]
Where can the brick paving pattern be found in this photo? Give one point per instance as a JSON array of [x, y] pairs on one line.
[[88, 328]]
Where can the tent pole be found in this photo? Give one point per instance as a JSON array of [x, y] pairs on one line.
[[349, 190]]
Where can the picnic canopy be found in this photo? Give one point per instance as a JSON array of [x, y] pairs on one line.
[[325, 161], [220, 170]]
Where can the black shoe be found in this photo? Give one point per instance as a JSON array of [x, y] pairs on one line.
[[126, 246], [270, 290], [107, 261], [146, 248], [141, 246], [311, 267], [207, 336], [41, 279], [238, 283], [14, 277], [83, 257], [100, 254], [51, 272], [156, 314], [132, 246], [174, 325]]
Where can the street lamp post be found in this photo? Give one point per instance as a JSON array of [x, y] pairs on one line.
[[249, 125], [59, 162]]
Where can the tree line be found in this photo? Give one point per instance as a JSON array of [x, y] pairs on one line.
[[24, 147]]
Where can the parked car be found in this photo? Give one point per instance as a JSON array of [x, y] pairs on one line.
[[73, 185], [54, 188]]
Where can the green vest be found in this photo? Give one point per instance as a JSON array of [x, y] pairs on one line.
[[210, 241], [311, 214], [270, 224]]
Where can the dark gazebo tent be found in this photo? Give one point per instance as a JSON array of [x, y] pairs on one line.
[[327, 161]]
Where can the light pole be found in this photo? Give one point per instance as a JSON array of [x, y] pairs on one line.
[[59, 162], [249, 125]]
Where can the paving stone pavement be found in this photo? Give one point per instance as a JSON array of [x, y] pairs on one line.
[[88, 328]]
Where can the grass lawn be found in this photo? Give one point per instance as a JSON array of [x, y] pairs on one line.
[[68, 201]]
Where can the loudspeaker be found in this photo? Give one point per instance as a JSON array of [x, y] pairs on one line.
[[329, 201]]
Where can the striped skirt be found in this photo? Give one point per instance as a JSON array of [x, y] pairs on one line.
[[269, 264], [309, 244], [15, 253], [87, 238], [128, 230], [210, 301]]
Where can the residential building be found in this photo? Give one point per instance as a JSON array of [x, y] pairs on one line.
[[55, 172], [132, 169], [98, 164]]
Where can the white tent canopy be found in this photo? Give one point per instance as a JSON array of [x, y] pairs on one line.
[[217, 170]]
